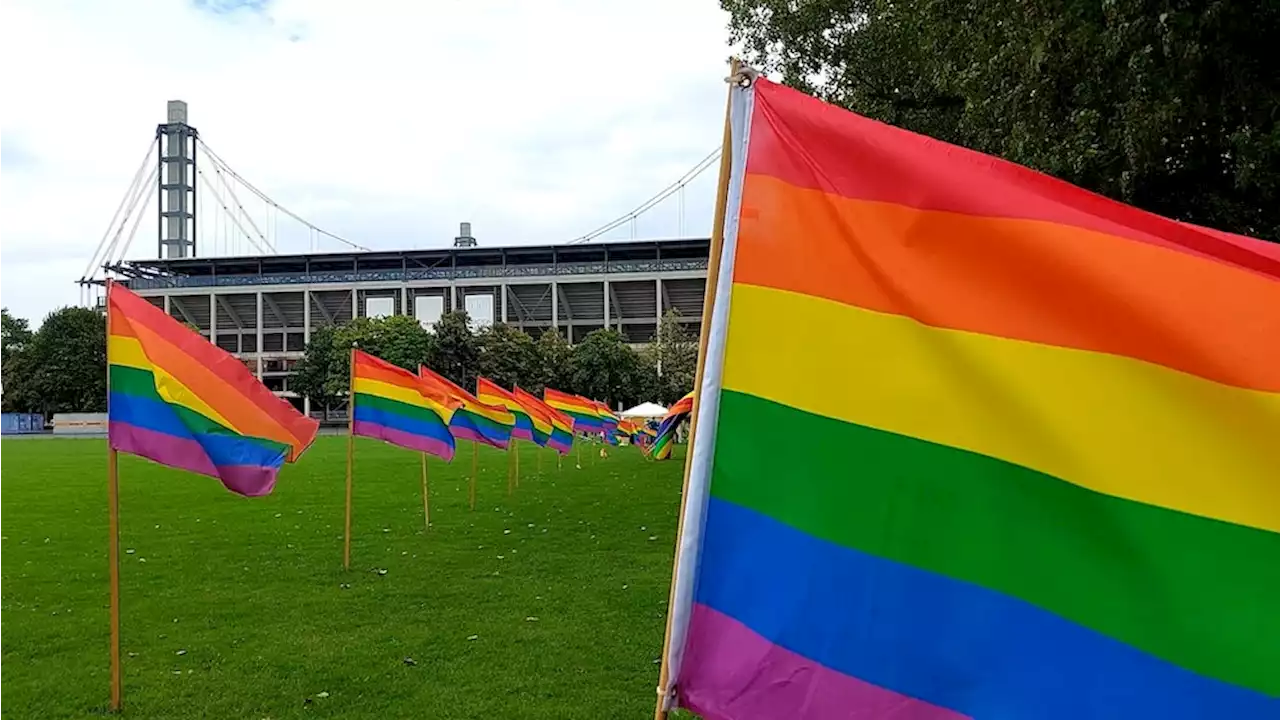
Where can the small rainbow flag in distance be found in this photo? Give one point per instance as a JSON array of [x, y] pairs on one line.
[[608, 422], [666, 435], [530, 425], [607, 416], [180, 401], [1033, 463], [396, 406], [474, 420], [579, 409], [561, 438]]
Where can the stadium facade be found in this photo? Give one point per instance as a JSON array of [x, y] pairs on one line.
[[264, 309]]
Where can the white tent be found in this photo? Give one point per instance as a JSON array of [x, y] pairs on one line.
[[644, 410]]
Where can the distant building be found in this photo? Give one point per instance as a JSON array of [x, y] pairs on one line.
[[263, 309]]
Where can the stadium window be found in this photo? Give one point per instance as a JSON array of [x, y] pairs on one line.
[[479, 311], [376, 307], [427, 309]]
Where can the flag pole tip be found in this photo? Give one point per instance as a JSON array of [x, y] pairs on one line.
[[745, 76]]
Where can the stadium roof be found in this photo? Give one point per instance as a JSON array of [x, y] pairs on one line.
[[433, 257]]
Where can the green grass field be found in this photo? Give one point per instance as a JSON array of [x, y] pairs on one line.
[[546, 604]]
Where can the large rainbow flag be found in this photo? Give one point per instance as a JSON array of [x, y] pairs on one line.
[[1033, 463], [474, 420], [530, 424], [178, 400], [396, 406], [580, 410], [561, 436], [664, 441]]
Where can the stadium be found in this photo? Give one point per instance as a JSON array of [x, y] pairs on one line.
[[263, 305], [264, 309]]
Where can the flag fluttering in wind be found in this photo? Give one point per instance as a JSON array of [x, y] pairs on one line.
[[530, 424], [608, 422], [561, 436], [1034, 443], [396, 406], [586, 419], [180, 401], [474, 420], [666, 435]]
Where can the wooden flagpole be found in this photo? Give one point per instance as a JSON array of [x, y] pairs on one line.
[[351, 456], [517, 466], [426, 495], [113, 540], [475, 464], [708, 303]]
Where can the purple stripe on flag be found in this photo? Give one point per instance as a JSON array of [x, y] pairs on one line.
[[187, 454], [176, 452], [739, 675], [250, 480], [422, 443]]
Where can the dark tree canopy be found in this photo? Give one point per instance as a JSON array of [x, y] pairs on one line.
[[606, 368], [510, 357], [62, 367], [1170, 106], [456, 353]]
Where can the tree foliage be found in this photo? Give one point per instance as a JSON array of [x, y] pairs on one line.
[[1173, 107], [556, 358], [59, 368], [15, 365], [510, 357], [606, 368], [456, 353], [674, 357], [324, 372]]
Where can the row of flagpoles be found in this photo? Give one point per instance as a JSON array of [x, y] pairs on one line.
[[428, 413], [178, 400]]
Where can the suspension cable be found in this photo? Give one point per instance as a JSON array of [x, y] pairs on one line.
[[645, 206], [266, 198]]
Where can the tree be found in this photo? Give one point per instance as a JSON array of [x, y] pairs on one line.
[[605, 368], [1171, 107], [455, 354], [674, 358], [16, 335], [510, 357], [324, 372], [67, 359], [15, 365], [556, 361], [398, 339], [319, 374]]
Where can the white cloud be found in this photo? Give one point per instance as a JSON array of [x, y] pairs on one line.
[[387, 122]]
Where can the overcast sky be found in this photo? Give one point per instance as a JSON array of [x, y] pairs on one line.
[[384, 121]]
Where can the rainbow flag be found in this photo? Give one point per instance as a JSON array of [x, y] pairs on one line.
[[561, 436], [579, 409], [1033, 463], [474, 420], [178, 400], [530, 424], [608, 422], [665, 438], [396, 406]]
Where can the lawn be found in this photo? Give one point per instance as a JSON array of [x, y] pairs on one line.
[[549, 603]]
